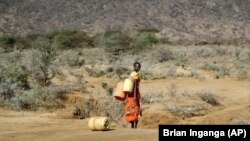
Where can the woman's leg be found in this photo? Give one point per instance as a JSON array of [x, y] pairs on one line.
[[136, 122], [132, 124]]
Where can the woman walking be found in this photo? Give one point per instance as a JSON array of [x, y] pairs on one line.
[[132, 107]]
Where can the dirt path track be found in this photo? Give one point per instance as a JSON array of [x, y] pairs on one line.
[[29, 128]]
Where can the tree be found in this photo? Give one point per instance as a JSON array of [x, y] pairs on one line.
[[42, 62]]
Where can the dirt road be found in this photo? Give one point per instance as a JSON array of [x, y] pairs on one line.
[[23, 126]]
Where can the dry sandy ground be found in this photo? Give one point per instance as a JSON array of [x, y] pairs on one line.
[[29, 126], [234, 97]]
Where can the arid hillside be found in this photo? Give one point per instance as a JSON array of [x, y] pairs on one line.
[[182, 21]]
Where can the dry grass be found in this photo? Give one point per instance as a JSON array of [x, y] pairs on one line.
[[152, 96], [164, 61], [208, 97]]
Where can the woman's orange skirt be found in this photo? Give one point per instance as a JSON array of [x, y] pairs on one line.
[[132, 109]]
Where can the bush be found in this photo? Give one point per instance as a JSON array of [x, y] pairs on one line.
[[108, 88], [12, 72], [148, 30], [208, 97], [165, 54], [173, 89], [7, 42], [42, 62], [115, 110], [238, 73], [151, 97], [144, 75], [209, 67], [7, 91], [204, 51], [47, 97], [186, 111], [114, 41], [71, 58], [202, 43], [142, 42], [122, 70], [15, 91], [11, 43], [178, 62], [67, 39]]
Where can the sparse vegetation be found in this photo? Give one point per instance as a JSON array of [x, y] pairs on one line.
[[71, 58], [115, 110], [97, 105], [13, 78], [114, 41], [177, 102], [208, 97], [47, 97], [42, 61], [108, 88], [172, 89], [25, 79], [118, 42], [164, 55], [143, 42], [186, 111], [26, 75], [7, 43], [67, 39], [152, 96]]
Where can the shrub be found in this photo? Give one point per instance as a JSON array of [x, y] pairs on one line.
[[121, 70], [114, 41], [197, 75], [178, 62], [223, 71], [202, 43], [171, 72], [47, 97], [99, 73], [13, 78], [42, 62], [144, 75], [186, 111], [11, 43], [7, 42], [7, 91], [204, 51], [67, 39], [238, 73], [148, 30], [208, 97], [142, 42], [209, 67], [71, 58], [164, 54], [109, 89], [109, 70], [172, 89], [115, 110], [151, 97]]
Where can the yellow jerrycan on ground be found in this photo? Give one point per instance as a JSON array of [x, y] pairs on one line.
[[99, 123]]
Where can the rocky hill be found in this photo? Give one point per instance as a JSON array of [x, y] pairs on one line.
[[182, 21]]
